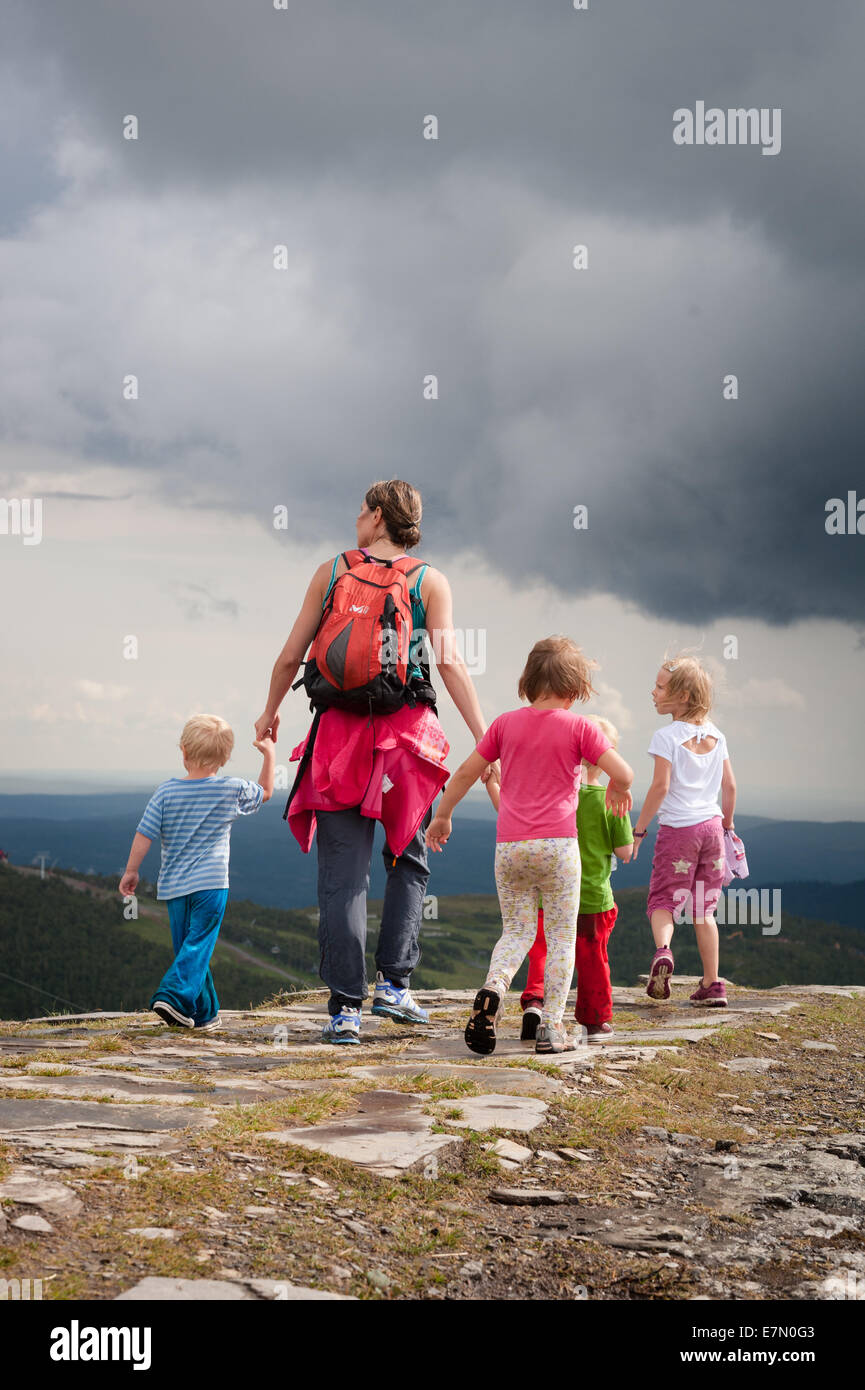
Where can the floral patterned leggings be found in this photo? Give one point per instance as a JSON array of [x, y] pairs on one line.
[[525, 869]]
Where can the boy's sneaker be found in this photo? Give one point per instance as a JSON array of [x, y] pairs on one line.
[[389, 1001], [712, 996], [598, 1032], [531, 1022], [343, 1027], [480, 1031], [551, 1038], [169, 1014], [210, 1025], [659, 975]]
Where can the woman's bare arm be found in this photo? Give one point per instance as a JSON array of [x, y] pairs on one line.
[[294, 651], [438, 602]]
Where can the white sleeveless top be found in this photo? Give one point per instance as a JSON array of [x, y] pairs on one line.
[[695, 779]]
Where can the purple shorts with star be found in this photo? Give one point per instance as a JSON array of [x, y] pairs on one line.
[[687, 870]]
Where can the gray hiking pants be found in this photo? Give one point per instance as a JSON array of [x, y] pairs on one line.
[[345, 840]]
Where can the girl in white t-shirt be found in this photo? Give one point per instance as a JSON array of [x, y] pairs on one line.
[[692, 770]]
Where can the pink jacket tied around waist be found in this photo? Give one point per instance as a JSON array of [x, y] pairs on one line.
[[392, 768]]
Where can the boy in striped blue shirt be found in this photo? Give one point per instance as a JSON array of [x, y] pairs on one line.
[[192, 817]]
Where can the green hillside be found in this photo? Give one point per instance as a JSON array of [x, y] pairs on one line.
[[70, 950], [66, 947], [805, 951]]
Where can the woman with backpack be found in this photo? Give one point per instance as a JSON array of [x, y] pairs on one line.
[[375, 750]]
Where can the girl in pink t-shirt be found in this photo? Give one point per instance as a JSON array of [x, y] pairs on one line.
[[540, 747]]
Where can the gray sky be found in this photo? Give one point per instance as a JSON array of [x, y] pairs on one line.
[[406, 257]]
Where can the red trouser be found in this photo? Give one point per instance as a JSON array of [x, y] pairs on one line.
[[594, 992]]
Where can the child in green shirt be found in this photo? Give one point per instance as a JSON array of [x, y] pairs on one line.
[[600, 835]]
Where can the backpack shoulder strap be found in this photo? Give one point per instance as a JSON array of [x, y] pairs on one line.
[[336, 560], [351, 558], [407, 567], [420, 570]]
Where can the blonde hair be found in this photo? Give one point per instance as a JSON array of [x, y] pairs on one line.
[[401, 510], [689, 682], [207, 740], [556, 666], [606, 727]]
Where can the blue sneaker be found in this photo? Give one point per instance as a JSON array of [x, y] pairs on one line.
[[391, 1002], [343, 1027]]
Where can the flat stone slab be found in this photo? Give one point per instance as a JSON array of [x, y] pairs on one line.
[[507, 1149], [131, 1088], [82, 1018], [74, 1147], [666, 1036], [152, 1232], [454, 1049], [253, 1062], [845, 991], [522, 1113], [34, 1223], [389, 1134], [510, 1080], [24, 1186], [156, 1290], [751, 1065], [17, 1115]]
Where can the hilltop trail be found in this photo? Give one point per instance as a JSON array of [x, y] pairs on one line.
[[699, 1154]]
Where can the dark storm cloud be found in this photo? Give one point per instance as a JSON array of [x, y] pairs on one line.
[[578, 104], [607, 395]]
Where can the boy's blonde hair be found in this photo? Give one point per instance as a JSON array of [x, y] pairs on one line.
[[207, 740], [606, 727], [556, 666], [691, 682]]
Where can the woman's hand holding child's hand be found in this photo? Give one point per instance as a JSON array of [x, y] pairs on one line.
[[264, 742], [267, 724], [439, 832]]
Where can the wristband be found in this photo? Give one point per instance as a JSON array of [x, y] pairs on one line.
[[638, 834]]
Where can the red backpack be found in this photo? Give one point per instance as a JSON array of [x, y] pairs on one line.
[[359, 657]]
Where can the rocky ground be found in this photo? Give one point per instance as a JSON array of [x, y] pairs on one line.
[[696, 1155]]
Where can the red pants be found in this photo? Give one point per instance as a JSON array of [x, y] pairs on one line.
[[594, 992]]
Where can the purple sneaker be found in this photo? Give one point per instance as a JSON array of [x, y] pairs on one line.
[[712, 996], [659, 975]]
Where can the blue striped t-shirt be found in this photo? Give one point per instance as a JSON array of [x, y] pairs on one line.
[[192, 819]]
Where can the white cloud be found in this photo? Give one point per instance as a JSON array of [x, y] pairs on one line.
[[97, 690], [767, 693]]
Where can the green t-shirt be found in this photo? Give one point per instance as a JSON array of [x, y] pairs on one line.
[[599, 832]]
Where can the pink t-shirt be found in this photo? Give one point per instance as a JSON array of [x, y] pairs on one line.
[[540, 752]]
